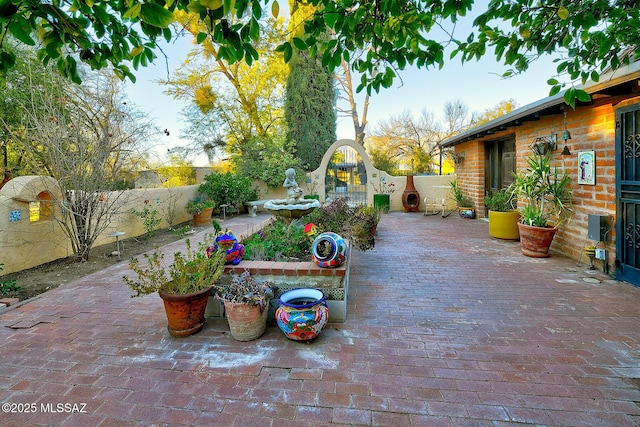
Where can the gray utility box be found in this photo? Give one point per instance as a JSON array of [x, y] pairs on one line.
[[598, 227]]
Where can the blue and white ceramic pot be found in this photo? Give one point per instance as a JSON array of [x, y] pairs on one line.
[[329, 250]]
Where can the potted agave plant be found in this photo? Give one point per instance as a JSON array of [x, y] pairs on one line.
[[184, 285], [547, 198], [246, 304]]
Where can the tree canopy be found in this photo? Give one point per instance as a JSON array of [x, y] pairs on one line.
[[586, 37]]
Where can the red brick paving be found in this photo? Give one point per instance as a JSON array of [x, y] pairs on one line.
[[445, 327]]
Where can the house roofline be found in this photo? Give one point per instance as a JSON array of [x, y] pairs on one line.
[[549, 105]]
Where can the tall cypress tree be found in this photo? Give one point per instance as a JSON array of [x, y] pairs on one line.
[[309, 109], [310, 100]]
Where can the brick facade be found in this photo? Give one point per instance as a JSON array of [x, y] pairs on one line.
[[592, 127]]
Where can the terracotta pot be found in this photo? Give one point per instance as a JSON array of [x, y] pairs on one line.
[[203, 218], [410, 196], [535, 241], [246, 322], [504, 225], [185, 313]]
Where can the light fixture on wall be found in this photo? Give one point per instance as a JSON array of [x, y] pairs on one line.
[[565, 135], [543, 144]]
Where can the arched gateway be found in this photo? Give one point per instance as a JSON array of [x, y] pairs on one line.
[[345, 171]]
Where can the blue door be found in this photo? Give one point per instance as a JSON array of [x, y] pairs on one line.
[[628, 190]]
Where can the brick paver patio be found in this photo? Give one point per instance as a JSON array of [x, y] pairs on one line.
[[445, 327]]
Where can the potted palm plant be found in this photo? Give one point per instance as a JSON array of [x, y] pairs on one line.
[[547, 199], [246, 304], [184, 285], [503, 215]]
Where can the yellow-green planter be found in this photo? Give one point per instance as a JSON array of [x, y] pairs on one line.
[[504, 225]]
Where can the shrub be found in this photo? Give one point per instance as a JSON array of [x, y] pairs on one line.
[[228, 189], [278, 242]]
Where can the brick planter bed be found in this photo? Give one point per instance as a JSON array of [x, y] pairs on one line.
[[334, 282]]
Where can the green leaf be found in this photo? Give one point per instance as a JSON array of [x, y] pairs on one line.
[[156, 15], [299, 43], [254, 30], [331, 18], [552, 82], [134, 12], [582, 96], [201, 37], [21, 31], [275, 9], [555, 90], [570, 97], [212, 4]]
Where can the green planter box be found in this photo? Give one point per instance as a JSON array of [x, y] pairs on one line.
[[382, 201]]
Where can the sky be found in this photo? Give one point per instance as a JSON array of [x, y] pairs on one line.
[[477, 84]]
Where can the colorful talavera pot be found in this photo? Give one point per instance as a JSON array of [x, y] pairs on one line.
[[302, 313], [329, 250]]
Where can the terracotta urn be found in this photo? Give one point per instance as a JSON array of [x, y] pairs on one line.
[[410, 196]]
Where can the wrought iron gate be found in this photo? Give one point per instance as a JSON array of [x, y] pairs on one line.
[[346, 176], [628, 190]]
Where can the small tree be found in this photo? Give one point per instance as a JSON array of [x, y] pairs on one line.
[[82, 142]]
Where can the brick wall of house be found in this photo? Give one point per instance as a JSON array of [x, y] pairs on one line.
[[592, 128]]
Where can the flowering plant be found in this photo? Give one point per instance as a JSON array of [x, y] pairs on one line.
[[384, 188]]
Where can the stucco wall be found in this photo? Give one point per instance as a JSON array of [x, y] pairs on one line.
[[26, 244]]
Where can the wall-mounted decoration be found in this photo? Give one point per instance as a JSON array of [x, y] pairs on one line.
[[587, 167], [15, 216]]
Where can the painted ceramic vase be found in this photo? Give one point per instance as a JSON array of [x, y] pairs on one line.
[[329, 250], [302, 313], [228, 242]]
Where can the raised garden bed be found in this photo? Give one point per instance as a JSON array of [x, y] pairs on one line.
[[334, 282]]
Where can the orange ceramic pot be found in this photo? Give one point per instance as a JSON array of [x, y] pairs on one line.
[[535, 241], [203, 218], [185, 313]]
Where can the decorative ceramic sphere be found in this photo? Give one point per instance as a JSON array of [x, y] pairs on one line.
[[329, 250], [302, 313], [229, 243]]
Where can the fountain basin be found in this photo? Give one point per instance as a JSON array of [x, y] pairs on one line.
[[298, 209]]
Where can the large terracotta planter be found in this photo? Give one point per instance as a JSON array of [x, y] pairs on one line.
[[185, 313], [535, 241], [504, 225], [203, 218], [246, 322]]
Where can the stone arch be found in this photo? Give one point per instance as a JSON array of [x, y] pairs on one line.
[[319, 176]]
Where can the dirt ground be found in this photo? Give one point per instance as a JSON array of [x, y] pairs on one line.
[[37, 280]]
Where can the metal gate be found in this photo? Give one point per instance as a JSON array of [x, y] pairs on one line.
[[628, 190], [346, 176]]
